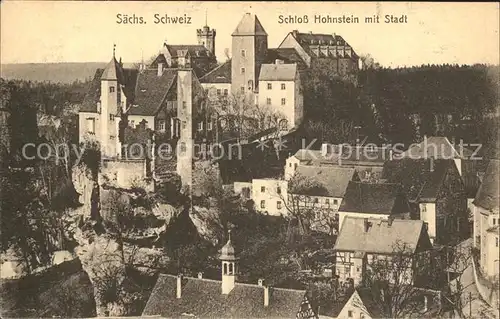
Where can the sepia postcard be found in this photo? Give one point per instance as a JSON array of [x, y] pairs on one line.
[[218, 159]]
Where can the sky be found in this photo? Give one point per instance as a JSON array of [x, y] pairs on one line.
[[67, 31]]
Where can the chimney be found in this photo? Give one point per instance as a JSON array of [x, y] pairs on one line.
[[425, 303], [179, 286], [266, 296], [160, 69], [260, 282], [366, 225], [200, 275]]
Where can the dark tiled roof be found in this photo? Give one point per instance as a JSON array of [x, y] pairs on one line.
[[380, 237], [333, 178], [421, 179], [249, 25], [203, 299], [353, 156], [196, 50], [151, 90], [288, 55], [375, 198], [90, 100], [313, 39], [221, 74], [487, 196]]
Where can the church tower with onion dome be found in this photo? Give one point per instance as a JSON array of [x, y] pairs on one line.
[[229, 266]]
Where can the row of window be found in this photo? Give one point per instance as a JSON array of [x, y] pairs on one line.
[[263, 204], [270, 86], [263, 189], [269, 101], [161, 125]]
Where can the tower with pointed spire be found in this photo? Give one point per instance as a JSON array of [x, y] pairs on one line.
[[110, 100], [206, 37], [229, 266], [249, 49]]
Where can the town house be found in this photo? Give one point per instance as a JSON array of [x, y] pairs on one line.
[[374, 200], [436, 194], [365, 242]]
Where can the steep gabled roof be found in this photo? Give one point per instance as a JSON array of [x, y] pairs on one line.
[[288, 55], [487, 196], [151, 90], [438, 147], [421, 179], [249, 25], [221, 74], [374, 198], [203, 298], [112, 71], [278, 72], [382, 236], [334, 179]]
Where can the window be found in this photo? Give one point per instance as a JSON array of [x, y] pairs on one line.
[[243, 53], [289, 164], [262, 204], [496, 241], [335, 202], [184, 104], [283, 101], [278, 204], [278, 190], [327, 201], [283, 86], [161, 125], [218, 92], [316, 200], [209, 125], [183, 147], [269, 86], [225, 92], [494, 221], [242, 70], [295, 165], [424, 208], [242, 89], [200, 126], [268, 101], [183, 124], [91, 125], [262, 189], [111, 89], [112, 118]]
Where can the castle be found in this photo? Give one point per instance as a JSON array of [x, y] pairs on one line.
[[172, 95]]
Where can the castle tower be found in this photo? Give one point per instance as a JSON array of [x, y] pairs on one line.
[[229, 269], [111, 96], [184, 115], [206, 37], [249, 49]]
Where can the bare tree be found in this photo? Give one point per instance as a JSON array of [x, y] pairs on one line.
[[393, 280], [302, 205], [240, 115]]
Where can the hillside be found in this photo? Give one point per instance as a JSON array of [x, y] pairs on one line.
[[66, 72]]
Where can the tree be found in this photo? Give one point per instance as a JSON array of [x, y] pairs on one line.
[[238, 116], [302, 206], [399, 282]]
